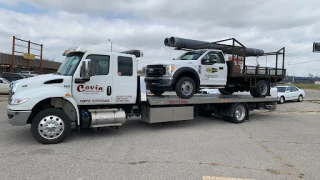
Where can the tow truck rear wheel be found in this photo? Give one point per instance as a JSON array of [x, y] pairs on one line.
[[240, 113], [51, 126], [185, 87]]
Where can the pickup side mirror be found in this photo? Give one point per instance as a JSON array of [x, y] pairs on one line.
[[85, 70]]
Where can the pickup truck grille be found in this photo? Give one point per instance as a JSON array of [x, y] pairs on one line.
[[155, 70]]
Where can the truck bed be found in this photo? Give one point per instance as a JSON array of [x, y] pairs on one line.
[[205, 99]]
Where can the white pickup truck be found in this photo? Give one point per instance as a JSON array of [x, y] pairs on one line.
[[207, 68]]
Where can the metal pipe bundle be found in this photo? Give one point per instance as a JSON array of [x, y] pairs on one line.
[[195, 44]]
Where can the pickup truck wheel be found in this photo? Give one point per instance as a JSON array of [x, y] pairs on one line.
[[253, 92], [157, 93], [261, 89], [185, 88], [51, 126], [240, 113]]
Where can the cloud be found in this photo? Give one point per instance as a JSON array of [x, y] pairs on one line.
[[137, 24]]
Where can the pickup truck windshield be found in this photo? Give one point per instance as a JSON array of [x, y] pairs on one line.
[[70, 64], [193, 55]]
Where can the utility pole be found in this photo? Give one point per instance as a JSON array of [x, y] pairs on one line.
[[111, 44]]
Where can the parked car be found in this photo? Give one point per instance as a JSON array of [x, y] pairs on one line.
[[12, 76], [290, 93], [4, 86]]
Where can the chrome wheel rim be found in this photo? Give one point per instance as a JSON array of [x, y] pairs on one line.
[[186, 88], [240, 113], [51, 127]]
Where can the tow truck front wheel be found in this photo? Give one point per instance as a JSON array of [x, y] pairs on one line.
[[51, 126]]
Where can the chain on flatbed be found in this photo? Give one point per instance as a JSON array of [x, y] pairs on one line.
[[206, 99]]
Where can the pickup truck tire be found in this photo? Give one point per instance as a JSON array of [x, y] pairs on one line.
[[157, 93], [253, 92], [185, 87], [261, 89], [51, 126]]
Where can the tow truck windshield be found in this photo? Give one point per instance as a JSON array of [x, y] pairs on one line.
[[193, 55], [70, 64]]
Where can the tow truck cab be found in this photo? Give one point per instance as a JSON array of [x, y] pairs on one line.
[[205, 68], [86, 79]]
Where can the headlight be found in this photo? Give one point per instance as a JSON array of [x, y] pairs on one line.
[[18, 101], [169, 69], [15, 86]]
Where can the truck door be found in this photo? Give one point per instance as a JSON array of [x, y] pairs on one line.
[[124, 90], [98, 89], [214, 70]]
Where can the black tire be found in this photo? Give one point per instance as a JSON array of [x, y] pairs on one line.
[[56, 117], [281, 100], [157, 93], [240, 113], [300, 98], [262, 88], [253, 92], [226, 91], [185, 87]]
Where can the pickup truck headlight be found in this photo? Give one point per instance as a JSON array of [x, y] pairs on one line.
[[18, 101], [169, 69]]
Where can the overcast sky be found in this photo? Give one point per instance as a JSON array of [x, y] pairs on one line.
[[144, 24]]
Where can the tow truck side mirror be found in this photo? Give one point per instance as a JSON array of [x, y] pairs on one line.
[[85, 70]]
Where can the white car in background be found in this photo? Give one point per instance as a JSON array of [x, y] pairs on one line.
[[290, 93], [4, 86]]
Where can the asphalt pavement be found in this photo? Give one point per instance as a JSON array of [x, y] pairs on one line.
[[283, 144]]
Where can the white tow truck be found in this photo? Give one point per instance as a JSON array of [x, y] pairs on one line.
[[101, 89]]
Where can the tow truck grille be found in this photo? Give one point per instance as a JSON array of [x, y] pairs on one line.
[[155, 70]]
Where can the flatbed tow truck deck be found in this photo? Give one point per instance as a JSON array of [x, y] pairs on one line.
[[234, 108], [206, 99]]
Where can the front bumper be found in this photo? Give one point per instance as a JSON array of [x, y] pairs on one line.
[[158, 83], [18, 118]]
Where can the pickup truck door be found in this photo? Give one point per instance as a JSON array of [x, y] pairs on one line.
[[98, 89], [214, 70]]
